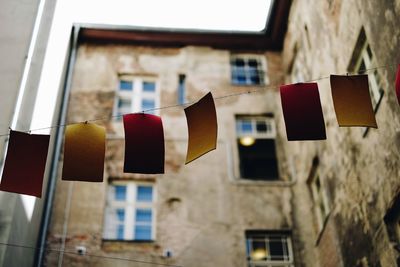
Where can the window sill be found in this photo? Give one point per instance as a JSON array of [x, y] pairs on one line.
[[112, 245], [128, 241], [248, 85], [242, 181], [321, 232]]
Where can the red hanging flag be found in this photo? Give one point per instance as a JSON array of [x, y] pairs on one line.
[[398, 84], [144, 144], [201, 118], [302, 112], [25, 163]]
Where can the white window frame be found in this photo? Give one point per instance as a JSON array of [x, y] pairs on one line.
[[321, 201], [130, 206], [136, 95], [375, 79], [269, 120], [262, 71], [270, 262]]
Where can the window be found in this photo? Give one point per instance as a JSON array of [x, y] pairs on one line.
[[392, 221], [181, 89], [363, 59], [320, 198], [129, 212], [256, 145], [269, 249], [136, 94], [247, 71]]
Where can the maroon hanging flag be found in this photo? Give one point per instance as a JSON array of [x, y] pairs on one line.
[[302, 112], [25, 163], [398, 84], [144, 144]]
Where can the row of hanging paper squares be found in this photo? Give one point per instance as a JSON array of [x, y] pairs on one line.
[[84, 146]]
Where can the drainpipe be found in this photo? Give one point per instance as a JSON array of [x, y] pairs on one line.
[[59, 133]]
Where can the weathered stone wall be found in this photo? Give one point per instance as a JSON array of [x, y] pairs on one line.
[[203, 209], [361, 173]]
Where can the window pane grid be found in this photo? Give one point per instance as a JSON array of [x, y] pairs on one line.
[[135, 94], [277, 250], [247, 72], [367, 61], [259, 128], [126, 218]]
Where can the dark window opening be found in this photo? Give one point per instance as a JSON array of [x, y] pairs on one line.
[[258, 161], [181, 89]]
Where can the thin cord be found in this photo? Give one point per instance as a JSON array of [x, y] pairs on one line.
[[65, 226], [276, 86], [90, 255]]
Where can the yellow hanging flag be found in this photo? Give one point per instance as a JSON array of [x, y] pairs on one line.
[[201, 119], [352, 101], [84, 152]]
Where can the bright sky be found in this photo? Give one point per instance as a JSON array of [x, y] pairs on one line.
[[230, 15], [206, 14]]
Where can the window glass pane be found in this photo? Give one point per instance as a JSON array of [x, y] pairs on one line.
[[261, 126], [255, 80], [121, 215], [238, 62], [369, 52], [120, 232], [149, 87], [246, 126], [124, 103], [252, 71], [181, 90], [143, 215], [259, 251], [143, 232], [362, 66], [253, 63], [277, 249], [144, 193], [125, 85], [120, 192], [148, 104]]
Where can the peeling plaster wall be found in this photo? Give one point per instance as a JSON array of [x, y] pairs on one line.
[[360, 173], [203, 209]]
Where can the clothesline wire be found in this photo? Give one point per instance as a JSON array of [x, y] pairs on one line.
[[89, 255], [271, 87]]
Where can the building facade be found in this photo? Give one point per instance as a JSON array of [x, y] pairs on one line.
[[345, 201], [198, 214], [257, 200]]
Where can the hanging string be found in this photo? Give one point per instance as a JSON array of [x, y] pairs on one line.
[[89, 255], [271, 87]]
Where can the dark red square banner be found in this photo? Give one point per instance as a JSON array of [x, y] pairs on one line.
[[25, 163], [302, 112], [144, 144]]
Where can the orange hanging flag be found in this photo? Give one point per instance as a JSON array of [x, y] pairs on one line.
[[352, 101], [144, 144], [25, 163], [84, 152], [202, 126]]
